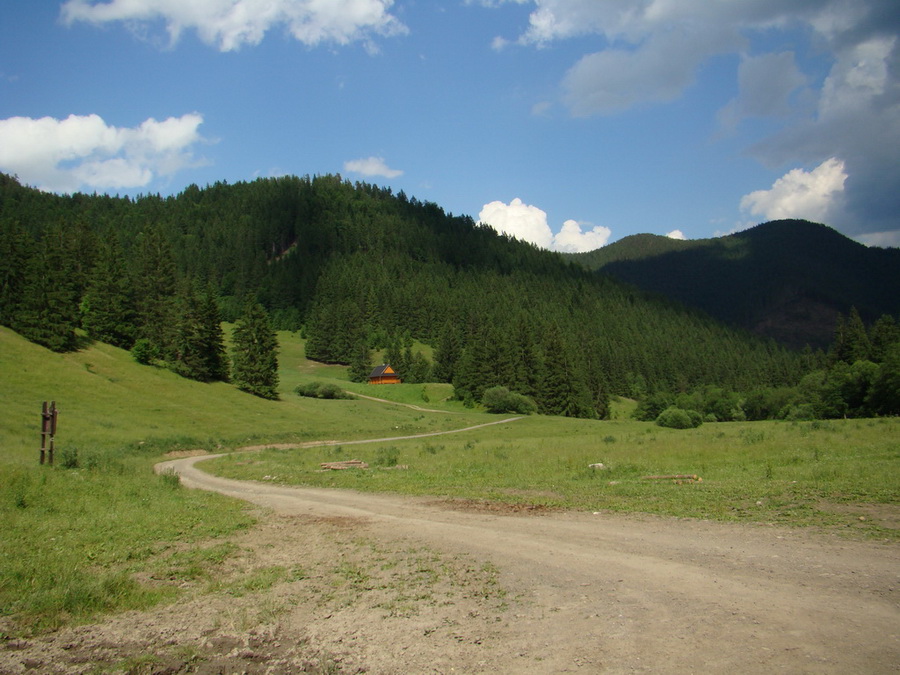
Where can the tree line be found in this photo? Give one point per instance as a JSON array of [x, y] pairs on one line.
[[858, 377], [357, 269]]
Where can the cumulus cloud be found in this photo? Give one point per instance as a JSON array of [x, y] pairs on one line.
[[529, 223], [571, 238], [85, 152], [230, 24], [812, 195], [371, 166], [676, 234], [649, 51]]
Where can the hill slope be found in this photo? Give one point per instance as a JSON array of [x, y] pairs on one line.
[[358, 268], [785, 279]]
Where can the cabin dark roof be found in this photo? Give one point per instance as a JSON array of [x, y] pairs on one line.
[[381, 371]]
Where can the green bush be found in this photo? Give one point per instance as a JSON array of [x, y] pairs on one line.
[[320, 390], [502, 400], [144, 352], [677, 418]]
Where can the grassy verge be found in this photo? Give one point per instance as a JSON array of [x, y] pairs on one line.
[[842, 473], [99, 531]]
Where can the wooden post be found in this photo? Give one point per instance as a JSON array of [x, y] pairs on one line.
[[49, 416], [54, 413], [45, 428]]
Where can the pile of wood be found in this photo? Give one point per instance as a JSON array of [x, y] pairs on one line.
[[348, 464], [677, 478]]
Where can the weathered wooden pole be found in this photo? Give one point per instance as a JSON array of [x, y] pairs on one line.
[[48, 431], [54, 413], [45, 428]]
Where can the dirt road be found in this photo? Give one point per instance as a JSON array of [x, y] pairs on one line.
[[623, 594], [406, 585]]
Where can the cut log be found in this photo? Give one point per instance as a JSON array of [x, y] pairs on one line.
[[677, 477], [347, 464]]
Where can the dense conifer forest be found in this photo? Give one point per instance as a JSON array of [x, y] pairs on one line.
[[356, 268], [785, 279]]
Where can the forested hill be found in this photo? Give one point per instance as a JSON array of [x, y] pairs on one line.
[[360, 268], [785, 279]]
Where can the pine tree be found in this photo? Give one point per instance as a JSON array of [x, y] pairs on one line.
[[255, 354], [446, 354], [361, 364], [47, 313], [563, 391], [885, 332], [156, 291], [857, 340], [108, 311], [198, 347], [16, 250]]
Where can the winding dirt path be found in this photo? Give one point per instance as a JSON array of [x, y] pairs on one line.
[[614, 594]]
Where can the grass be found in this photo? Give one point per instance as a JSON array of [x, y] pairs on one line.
[[99, 532], [86, 535], [810, 473]]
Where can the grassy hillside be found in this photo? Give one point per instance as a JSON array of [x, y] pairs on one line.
[[111, 404], [75, 538]]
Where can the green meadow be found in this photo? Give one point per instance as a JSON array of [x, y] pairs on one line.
[[100, 532], [829, 473]]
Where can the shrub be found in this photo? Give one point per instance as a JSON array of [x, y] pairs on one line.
[[321, 390], [144, 352], [650, 407], [677, 418], [502, 400]]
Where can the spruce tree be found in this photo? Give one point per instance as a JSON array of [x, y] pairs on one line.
[[198, 349], [16, 251], [156, 291], [47, 313], [255, 354], [361, 363], [108, 311]]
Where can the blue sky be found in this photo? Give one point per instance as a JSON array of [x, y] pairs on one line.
[[570, 123]]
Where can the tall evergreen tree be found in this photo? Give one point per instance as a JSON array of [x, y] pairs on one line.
[[858, 347], [47, 313], [108, 311], [156, 290], [255, 354], [447, 353], [885, 332], [16, 250], [198, 346], [361, 364], [563, 391]]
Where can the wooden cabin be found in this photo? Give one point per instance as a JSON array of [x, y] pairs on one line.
[[384, 375]]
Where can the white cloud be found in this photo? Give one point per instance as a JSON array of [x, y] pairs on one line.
[[649, 52], [572, 239], [84, 152], [529, 223], [230, 24], [809, 195], [882, 239], [676, 234], [371, 166]]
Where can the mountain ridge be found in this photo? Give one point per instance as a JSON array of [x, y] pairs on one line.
[[785, 279]]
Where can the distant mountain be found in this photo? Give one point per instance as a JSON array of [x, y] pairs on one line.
[[785, 279]]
